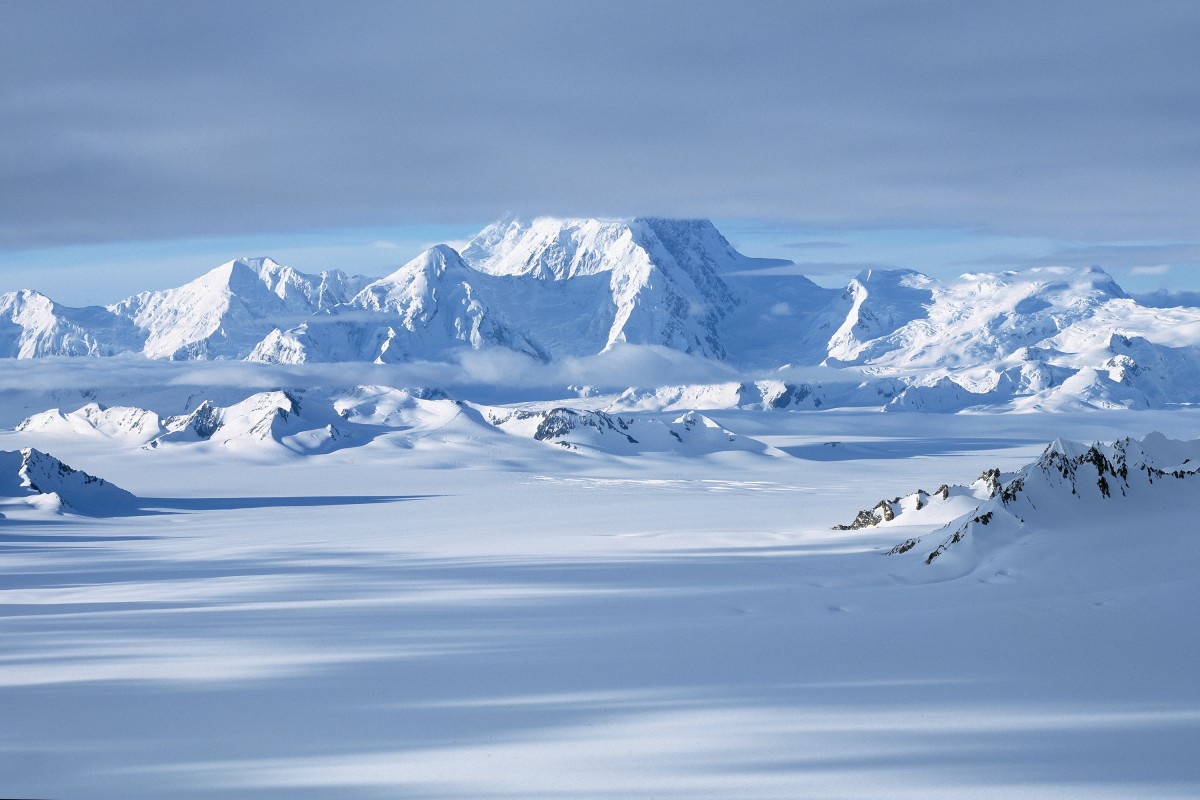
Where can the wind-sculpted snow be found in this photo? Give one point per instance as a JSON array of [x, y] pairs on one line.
[[1071, 492], [31, 479]]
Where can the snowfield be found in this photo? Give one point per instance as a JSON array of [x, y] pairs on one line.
[[455, 607]]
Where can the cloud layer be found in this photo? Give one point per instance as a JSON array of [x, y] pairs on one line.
[[143, 120]]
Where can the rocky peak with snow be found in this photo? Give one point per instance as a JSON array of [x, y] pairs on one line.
[[30, 478], [663, 283], [1070, 486]]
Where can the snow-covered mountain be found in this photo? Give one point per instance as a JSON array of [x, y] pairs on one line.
[[552, 288], [227, 311], [647, 281], [285, 423], [1073, 493], [31, 479], [96, 420], [425, 309], [33, 326]]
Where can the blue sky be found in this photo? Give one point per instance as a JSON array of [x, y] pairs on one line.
[[146, 142]]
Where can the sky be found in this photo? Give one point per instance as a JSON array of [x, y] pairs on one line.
[[147, 142]]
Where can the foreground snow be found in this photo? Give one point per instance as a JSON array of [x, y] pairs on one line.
[[473, 612]]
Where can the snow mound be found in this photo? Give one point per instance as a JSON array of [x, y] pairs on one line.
[[30, 478]]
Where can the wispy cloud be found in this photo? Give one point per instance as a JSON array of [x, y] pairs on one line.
[[1156, 269]]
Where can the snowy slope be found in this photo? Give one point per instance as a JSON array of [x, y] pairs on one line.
[[425, 310], [661, 283], [31, 479], [1073, 495], [34, 326], [598, 431], [227, 311]]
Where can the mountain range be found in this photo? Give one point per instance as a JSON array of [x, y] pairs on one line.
[[554, 288]]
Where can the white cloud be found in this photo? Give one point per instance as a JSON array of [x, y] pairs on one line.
[[1155, 269]]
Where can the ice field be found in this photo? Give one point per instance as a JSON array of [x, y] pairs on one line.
[[445, 615]]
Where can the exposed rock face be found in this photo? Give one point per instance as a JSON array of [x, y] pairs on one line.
[[557, 423], [985, 486]]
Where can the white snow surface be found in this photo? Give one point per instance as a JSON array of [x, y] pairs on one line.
[[442, 602]]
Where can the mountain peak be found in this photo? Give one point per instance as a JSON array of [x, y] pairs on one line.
[[434, 261]]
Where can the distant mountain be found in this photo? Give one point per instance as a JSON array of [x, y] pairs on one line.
[[34, 326], [276, 424], [226, 312], [549, 289], [598, 431], [424, 310], [647, 281]]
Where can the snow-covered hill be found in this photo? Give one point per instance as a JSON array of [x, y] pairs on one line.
[[31, 479], [1073, 496], [582, 430]]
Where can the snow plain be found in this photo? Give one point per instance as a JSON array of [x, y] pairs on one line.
[[448, 610]]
